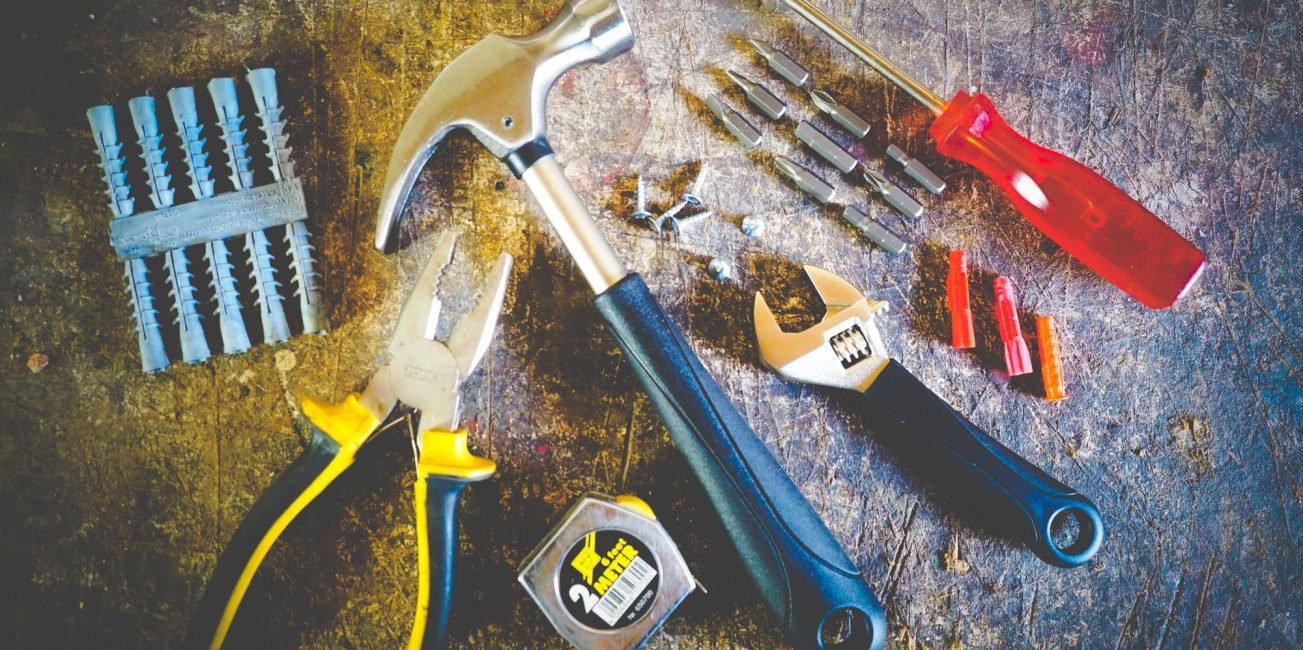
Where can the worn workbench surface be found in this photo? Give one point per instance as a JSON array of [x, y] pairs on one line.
[[117, 489]]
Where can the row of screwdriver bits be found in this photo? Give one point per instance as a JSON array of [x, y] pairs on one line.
[[827, 149]]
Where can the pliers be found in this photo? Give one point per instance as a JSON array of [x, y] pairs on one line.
[[992, 484], [421, 373]]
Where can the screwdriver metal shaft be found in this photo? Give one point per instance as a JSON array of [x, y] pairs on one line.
[[868, 55]]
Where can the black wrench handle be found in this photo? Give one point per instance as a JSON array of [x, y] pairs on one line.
[[802, 573], [991, 483]]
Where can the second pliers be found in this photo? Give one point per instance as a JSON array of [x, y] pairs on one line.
[[421, 373]]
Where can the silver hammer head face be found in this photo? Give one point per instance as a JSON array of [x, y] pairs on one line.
[[498, 91]]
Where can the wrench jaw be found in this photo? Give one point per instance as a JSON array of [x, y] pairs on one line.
[[845, 350], [498, 91]]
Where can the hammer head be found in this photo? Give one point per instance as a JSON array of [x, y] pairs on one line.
[[498, 91]]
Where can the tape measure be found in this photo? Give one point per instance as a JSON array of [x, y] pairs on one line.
[[607, 575]]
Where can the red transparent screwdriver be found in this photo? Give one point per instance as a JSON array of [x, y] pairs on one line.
[[1077, 208]]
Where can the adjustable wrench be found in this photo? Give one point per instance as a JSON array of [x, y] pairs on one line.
[[995, 485]]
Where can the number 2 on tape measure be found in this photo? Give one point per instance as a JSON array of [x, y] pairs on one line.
[[580, 593]]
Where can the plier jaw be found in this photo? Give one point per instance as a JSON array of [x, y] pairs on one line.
[[423, 372]]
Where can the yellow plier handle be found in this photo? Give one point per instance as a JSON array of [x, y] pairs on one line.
[[338, 431], [444, 469]]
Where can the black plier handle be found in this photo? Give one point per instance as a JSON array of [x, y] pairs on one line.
[[444, 468], [338, 431]]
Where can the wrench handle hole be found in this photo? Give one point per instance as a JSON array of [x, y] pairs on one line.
[[1071, 531], [845, 628]]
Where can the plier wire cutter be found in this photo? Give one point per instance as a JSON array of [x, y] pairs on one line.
[[422, 374]]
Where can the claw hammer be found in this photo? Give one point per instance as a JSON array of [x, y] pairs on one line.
[[498, 91]]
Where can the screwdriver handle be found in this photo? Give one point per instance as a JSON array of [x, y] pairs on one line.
[[987, 482], [804, 576], [1088, 216]]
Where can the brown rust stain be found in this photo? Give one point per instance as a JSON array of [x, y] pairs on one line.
[[1192, 437]]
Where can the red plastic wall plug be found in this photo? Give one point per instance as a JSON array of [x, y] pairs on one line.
[[1017, 358], [1051, 362], [961, 311]]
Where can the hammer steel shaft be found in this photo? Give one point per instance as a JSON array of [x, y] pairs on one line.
[[597, 261]]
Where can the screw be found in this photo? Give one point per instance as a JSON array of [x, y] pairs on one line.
[[720, 269], [753, 226], [677, 224], [674, 211], [640, 201], [693, 195], [640, 209]]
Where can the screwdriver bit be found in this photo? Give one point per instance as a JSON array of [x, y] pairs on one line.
[[827, 149], [759, 96], [805, 179], [837, 112], [917, 171], [782, 64], [894, 196], [748, 135], [874, 231]]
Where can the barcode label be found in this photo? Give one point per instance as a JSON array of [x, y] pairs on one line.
[[621, 595]]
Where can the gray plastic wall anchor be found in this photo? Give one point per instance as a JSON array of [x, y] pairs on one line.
[[185, 308], [230, 320], [265, 287], [267, 97], [305, 278], [149, 336], [227, 103], [149, 333], [190, 131], [230, 317], [265, 94]]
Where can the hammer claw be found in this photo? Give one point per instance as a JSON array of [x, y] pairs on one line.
[[498, 90]]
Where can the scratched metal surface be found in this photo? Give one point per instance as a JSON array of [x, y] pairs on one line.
[[119, 489]]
